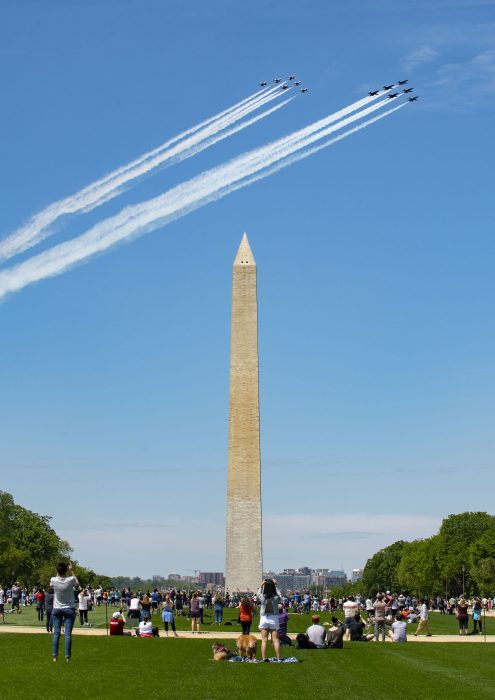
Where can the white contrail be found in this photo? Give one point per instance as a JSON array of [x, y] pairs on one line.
[[200, 190], [178, 148]]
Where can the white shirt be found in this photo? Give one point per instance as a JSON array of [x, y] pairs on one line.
[[134, 604], [423, 612], [63, 589], [146, 627], [2, 596], [316, 634], [350, 608], [399, 630], [83, 601]]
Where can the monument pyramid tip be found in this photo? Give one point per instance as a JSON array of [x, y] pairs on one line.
[[244, 253]]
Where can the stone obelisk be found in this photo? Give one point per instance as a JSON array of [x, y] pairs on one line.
[[243, 569]]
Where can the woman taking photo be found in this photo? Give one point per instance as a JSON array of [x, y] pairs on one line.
[[64, 607], [269, 598]]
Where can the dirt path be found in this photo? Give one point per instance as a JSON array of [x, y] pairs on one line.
[[97, 632]]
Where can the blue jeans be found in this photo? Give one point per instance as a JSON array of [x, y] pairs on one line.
[[218, 615], [65, 617]]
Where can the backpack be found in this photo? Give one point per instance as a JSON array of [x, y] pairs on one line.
[[271, 605]]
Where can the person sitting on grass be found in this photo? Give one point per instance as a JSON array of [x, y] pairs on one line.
[[398, 633], [146, 628], [356, 630], [283, 621], [335, 635], [314, 637], [117, 624]]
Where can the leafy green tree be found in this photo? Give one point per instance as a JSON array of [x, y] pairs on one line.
[[457, 534], [418, 572], [484, 574], [380, 572]]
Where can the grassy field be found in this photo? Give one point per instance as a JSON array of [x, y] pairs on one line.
[[440, 624], [109, 667]]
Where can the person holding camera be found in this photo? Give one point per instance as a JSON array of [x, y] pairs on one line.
[[64, 607]]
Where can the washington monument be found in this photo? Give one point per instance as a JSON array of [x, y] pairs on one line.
[[243, 569]]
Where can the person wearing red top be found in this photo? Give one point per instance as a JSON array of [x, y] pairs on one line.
[[246, 615], [40, 603], [117, 624]]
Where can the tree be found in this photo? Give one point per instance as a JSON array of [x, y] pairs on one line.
[[457, 534], [28, 543], [484, 574], [418, 571], [380, 572]]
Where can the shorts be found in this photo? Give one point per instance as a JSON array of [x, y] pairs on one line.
[[196, 615], [347, 622], [1, 609], [154, 605], [268, 622]]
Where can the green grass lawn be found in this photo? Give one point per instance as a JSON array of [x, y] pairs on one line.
[[109, 667], [440, 624]]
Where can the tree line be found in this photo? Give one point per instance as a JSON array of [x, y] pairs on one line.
[[460, 558], [30, 548]]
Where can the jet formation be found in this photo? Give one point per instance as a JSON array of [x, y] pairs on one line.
[[285, 83], [393, 95]]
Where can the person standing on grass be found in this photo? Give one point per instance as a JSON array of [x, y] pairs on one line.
[[2, 603], [64, 607], [477, 613], [194, 613], [423, 619], [350, 609], [16, 597], [269, 598], [84, 599], [49, 596], [218, 607], [379, 608], [40, 603], [168, 615], [246, 615]]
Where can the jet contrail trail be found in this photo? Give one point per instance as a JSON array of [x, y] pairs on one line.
[[209, 186], [188, 143]]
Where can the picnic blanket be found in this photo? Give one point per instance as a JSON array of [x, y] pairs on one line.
[[273, 660]]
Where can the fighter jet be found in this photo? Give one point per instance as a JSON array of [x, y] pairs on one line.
[[388, 87], [407, 90], [413, 99], [373, 93], [291, 77], [263, 83], [304, 89], [392, 95], [297, 83], [402, 82], [284, 87], [277, 80]]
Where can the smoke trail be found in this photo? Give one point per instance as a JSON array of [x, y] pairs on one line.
[[147, 216], [114, 183]]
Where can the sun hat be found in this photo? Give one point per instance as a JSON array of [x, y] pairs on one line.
[[116, 615]]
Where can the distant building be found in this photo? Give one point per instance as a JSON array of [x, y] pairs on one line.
[[357, 575], [211, 578], [174, 577]]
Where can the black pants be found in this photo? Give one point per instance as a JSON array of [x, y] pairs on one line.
[[40, 613], [83, 616], [476, 623], [172, 625], [246, 627], [303, 642], [49, 620]]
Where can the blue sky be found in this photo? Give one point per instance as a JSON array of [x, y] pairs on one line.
[[375, 279]]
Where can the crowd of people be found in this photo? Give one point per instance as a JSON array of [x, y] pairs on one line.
[[139, 612]]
